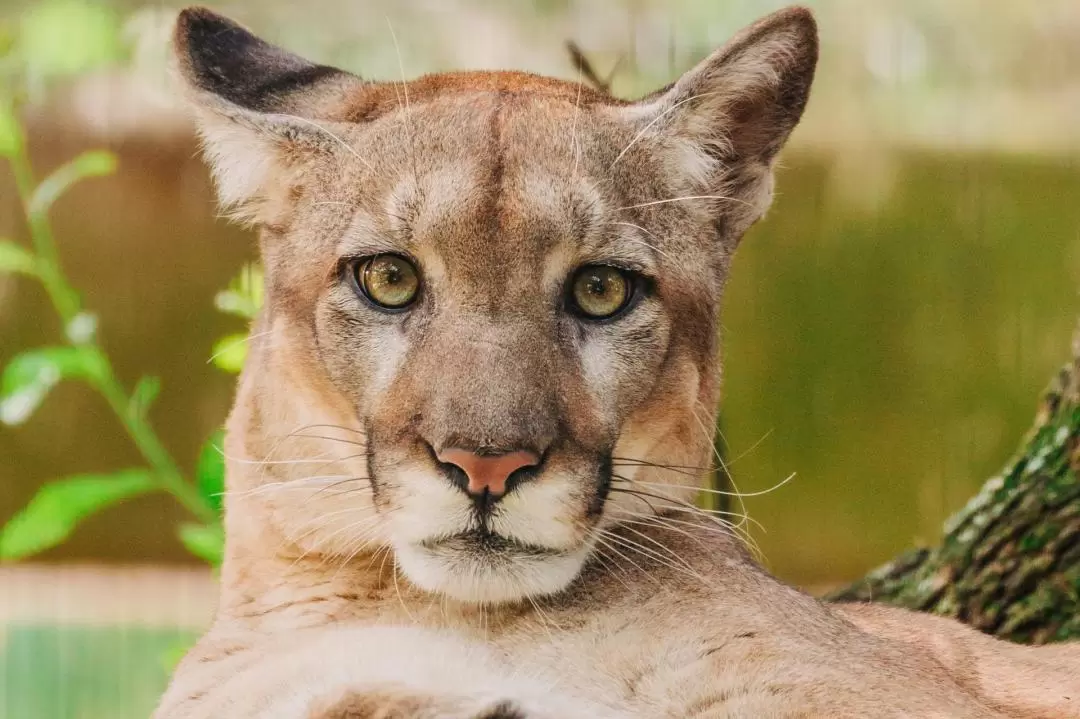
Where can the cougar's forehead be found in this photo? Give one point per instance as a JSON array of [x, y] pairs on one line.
[[496, 185]]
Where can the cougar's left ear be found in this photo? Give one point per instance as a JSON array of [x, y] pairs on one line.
[[723, 122], [256, 104]]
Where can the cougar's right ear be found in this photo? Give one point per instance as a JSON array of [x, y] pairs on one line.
[[256, 104]]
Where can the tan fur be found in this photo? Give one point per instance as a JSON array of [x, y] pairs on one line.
[[358, 580]]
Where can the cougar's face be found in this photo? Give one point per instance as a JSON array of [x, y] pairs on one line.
[[504, 288]]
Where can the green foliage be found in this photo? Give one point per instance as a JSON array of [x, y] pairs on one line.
[[244, 295], [10, 133], [15, 260], [230, 352], [64, 37], [94, 163], [242, 298], [56, 38], [210, 471], [145, 392], [205, 541], [28, 378], [59, 506]]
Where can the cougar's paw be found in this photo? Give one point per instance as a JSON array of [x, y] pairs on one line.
[[394, 705]]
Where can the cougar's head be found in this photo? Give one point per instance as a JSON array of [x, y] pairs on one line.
[[490, 326]]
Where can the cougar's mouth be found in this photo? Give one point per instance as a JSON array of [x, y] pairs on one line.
[[485, 542], [532, 540]]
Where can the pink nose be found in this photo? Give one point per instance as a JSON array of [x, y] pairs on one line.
[[488, 471]]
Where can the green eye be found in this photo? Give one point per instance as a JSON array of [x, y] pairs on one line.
[[600, 291], [389, 281]]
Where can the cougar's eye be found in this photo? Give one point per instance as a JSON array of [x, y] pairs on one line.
[[389, 281], [598, 292]]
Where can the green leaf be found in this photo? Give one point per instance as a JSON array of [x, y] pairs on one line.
[[30, 375], [66, 37], [230, 352], [210, 470], [93, 163], [145, 392], [207, 542], [14, 259], [59, 506], [244, 296], [11, 134]]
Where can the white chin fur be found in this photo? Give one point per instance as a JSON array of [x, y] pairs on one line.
[[481, 579]]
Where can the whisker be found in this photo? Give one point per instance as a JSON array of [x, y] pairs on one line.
[[313, 460], [329, 134], [716, 516], [720, 526], [237, 343], [759, 493], [544, 620], [716, 453], [652, 122], [745, 536], [613, 569], [671, 468], [681, 504], [668, 522], [397, 591], [680, 199], [575, 149], [408, 109], [328, 426], [751, 448], [640, 241], [664, 548], [648, 463], [359, 543], [323, 540], [599, 536], [279, 486], [631, 545], [648, 522], [346, 480], [327, 438]]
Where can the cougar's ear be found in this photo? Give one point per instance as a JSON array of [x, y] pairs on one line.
[[723, 122], [256, 104]]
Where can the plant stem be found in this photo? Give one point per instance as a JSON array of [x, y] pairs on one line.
[[165, 469], [64, 299], [66, 302]]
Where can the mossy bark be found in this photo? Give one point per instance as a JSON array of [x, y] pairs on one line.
[[1009, 563]]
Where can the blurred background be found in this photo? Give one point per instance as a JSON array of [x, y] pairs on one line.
[[888, 328]]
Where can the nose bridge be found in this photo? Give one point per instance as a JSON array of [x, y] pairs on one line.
[[491, 388]]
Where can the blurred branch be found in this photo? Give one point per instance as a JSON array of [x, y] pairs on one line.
[[585, 68]]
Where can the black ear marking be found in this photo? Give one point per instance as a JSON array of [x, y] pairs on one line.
[[220, 57]]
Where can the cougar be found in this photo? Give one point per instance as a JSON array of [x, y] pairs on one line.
[[466, 446]]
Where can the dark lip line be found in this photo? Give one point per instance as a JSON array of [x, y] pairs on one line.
[[485, 537]]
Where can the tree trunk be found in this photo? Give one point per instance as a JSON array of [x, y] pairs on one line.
[[1009, 563]]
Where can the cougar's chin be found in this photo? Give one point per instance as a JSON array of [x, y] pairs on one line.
[[486, 568]]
